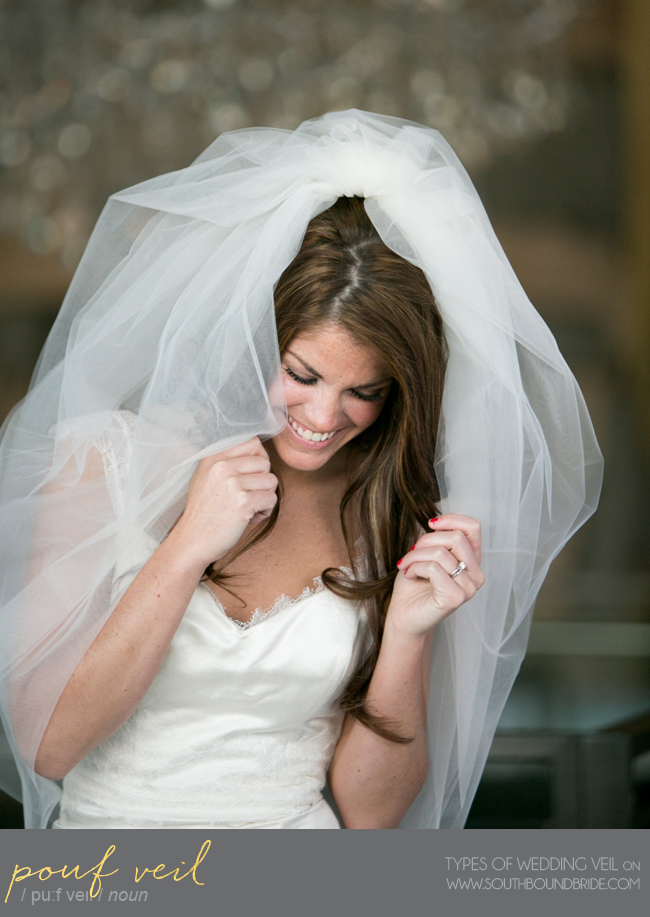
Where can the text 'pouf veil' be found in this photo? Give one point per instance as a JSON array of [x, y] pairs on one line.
[[170, 316]]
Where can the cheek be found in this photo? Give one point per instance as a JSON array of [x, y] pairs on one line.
[[365, 413], [294, 392]]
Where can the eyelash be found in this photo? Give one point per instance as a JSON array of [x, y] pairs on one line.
[[376, 397]]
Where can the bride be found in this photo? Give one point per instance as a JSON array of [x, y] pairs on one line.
[[228, 576]]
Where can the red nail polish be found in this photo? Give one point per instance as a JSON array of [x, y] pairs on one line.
[[413, 548], [434, 520], [399, 562]]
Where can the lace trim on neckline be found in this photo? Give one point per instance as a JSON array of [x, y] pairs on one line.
[[283, 601]]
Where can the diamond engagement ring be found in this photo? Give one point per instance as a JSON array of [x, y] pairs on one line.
[[459, 569]]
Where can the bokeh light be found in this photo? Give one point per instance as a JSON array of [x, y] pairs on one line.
[[98, 96]]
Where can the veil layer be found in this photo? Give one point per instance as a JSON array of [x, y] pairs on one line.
[[165, 350]]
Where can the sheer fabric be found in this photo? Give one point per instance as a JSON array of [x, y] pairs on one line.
[[170, 319]]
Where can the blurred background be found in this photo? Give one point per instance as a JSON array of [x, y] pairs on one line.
[[547, 102]]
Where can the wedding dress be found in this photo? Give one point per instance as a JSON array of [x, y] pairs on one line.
[[238, 728]]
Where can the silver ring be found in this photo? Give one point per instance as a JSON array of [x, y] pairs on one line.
[[459, 569]]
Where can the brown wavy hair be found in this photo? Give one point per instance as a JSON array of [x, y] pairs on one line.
[[344, 274]]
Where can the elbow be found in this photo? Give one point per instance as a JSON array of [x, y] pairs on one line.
[[359, 822], [51, 765], [62, 747], [51, 770], [383, 808], [48, 762], [415, 786]]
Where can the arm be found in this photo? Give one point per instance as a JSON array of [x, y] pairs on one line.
[[234, 487], [114, 675], [374, 780]]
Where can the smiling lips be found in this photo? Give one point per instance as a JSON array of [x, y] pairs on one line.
[[309, 435]]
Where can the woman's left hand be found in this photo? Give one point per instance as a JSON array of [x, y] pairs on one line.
[[424, 592]]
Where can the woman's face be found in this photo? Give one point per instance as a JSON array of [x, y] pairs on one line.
[[334, 389]]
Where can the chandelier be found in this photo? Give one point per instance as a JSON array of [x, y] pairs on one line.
[[97, 95]]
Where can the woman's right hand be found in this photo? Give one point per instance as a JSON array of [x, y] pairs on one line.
[[228, 491]]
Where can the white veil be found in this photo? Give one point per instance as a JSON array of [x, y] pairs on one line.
[[165, 350]]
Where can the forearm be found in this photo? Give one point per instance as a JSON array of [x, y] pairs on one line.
[[374, 780], [118, 668]]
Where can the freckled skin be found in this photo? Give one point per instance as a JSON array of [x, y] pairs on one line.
[[330, 404]]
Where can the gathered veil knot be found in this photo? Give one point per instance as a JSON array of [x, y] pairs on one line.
[[165, 350]]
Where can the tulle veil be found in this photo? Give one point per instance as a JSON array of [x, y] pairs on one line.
[[165, 350]]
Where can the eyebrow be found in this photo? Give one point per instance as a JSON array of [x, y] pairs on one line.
[[311, 370]]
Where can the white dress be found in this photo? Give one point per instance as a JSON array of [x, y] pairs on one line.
[[238, 728]]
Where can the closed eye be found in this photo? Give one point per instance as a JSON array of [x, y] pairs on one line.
[[298, 378], [375, 396]]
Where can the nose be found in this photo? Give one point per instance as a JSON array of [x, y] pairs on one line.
[[323, 412]]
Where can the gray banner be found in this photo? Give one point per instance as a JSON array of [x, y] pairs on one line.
[[227, 873]]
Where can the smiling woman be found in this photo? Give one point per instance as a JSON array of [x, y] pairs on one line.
[[338, 403], [243, 499], [371, 392], [352, 470]]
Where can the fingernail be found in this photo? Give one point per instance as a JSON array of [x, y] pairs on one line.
[[399, 562], [413, 548], [433, 521]]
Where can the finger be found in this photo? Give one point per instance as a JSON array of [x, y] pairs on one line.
[[262, 501], [250, 447], [454, 541], [260, 517], [446, 591], [249, 464], [469, 526], [233, 467], [265, 481], [470, 580], [437, 553]]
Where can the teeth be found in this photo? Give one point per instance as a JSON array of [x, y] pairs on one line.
[[309, 435]]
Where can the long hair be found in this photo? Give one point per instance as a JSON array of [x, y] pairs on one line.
[[345, 275]]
